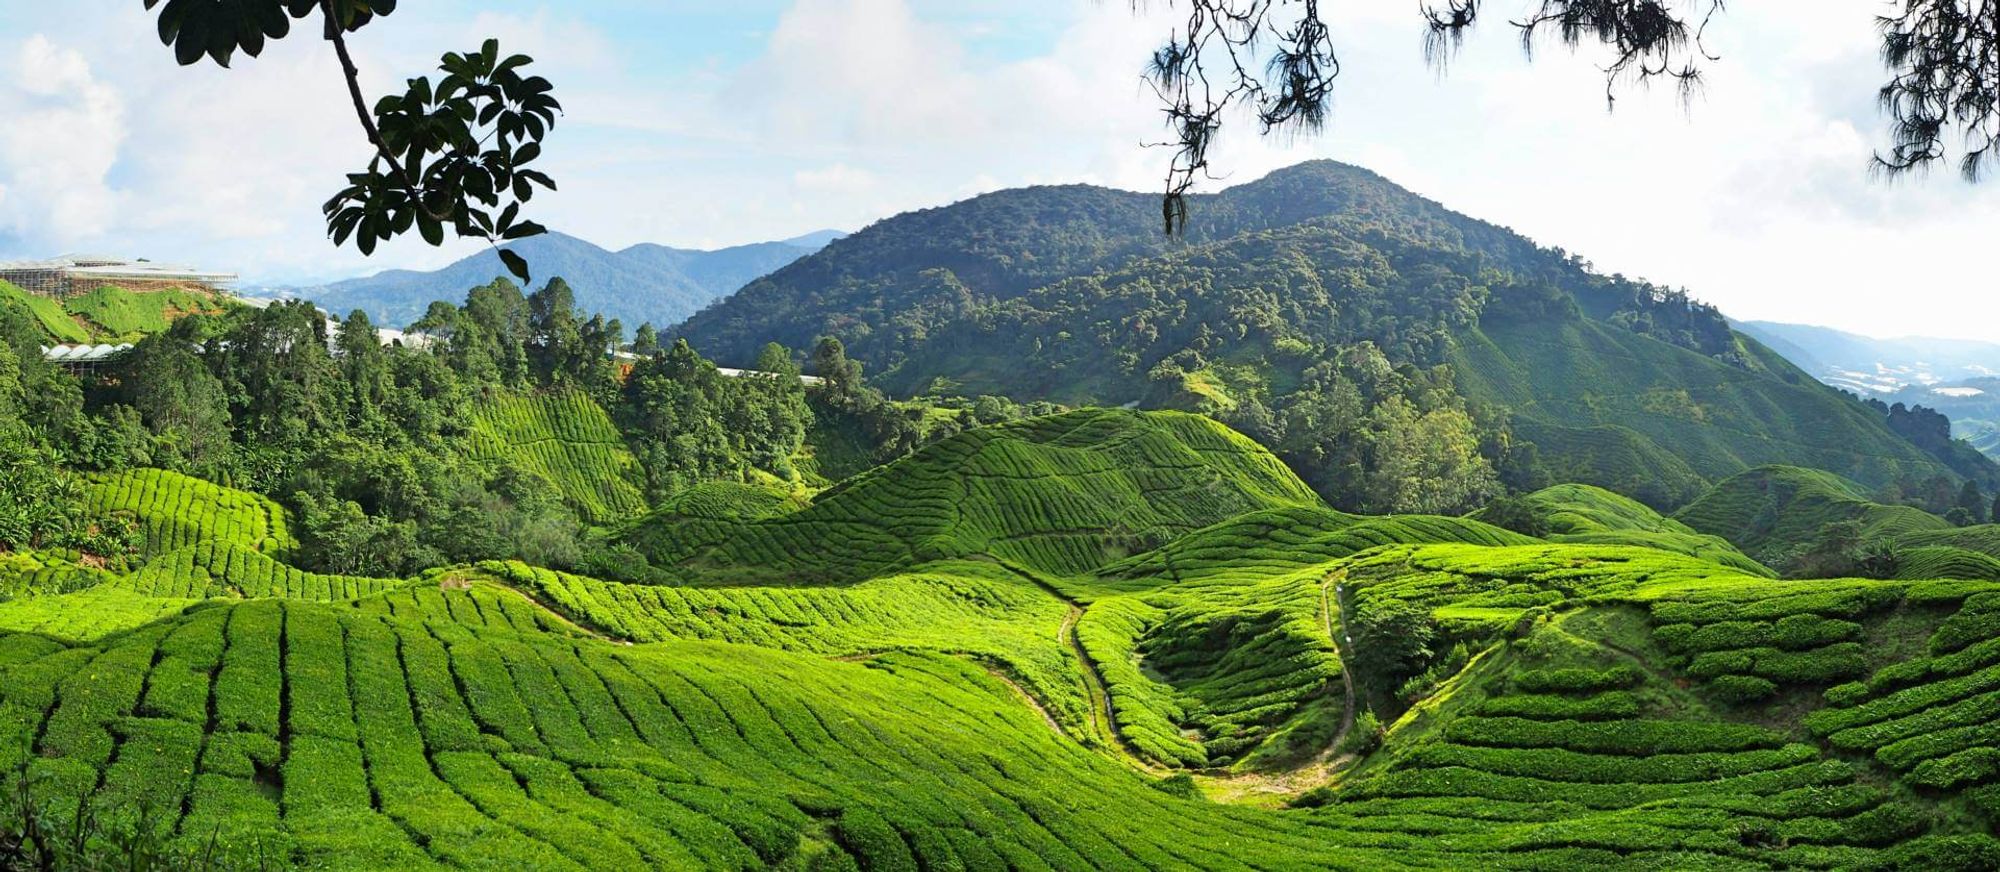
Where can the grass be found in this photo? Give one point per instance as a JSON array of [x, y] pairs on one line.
[[45, 311], [117, 314]]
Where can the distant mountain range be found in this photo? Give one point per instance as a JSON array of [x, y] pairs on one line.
[[1960, 378], [1876, 367], [643, 283]]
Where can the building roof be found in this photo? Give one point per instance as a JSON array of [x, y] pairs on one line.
[[83, 353], [102, 267]]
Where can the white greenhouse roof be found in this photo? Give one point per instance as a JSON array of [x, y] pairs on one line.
[[94, 266], [83, 353]]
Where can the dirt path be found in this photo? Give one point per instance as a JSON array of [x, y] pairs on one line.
[[1342, 643], [1329, 761], [1022, 692], [1103, 717]]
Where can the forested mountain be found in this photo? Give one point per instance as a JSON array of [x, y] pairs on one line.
[[1401, 356], [643, 283]]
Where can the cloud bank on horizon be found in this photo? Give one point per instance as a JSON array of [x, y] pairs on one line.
[[701, 127]]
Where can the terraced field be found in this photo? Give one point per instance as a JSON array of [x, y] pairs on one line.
[[976, 698], [1588, 515], [1062, 494], [567, 439], [175, 511]]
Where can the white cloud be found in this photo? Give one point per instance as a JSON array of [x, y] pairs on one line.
[[61, 137]]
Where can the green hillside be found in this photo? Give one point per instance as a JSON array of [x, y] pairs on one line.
[[1584, 514], [566, 439], [1680, 412], [1060, 494], [1775, 511], [174, 511], [44, 312], [1270, 313], [459, 724], [116, 313], [108, 314]]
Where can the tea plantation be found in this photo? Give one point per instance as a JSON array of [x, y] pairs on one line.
[[568, 440], [1101, 639]]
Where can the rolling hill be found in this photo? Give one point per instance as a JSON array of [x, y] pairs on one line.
[[1777, 514], [1069, 294], [1284, 686], [642, 283], [1061, 494]]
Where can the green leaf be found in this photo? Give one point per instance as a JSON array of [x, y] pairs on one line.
[[431, 228], [524, 230], [515, 264]]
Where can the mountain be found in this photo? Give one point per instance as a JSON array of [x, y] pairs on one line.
[[1959, 378], [1313, 309], [1877, 367], [642, 283]]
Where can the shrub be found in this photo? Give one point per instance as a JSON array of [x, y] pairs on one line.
[[1740, 689], [1967, 853], [1577, 680]]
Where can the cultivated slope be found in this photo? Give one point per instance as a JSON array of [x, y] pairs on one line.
[[1774, 510], [1422, 692], [568, 441], [1582, 514], [1061, 494]]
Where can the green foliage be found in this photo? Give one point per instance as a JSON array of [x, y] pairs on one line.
[[119, 314], [1555, 372], [44, 313], [691, 424], [175, 511], [564, 439]]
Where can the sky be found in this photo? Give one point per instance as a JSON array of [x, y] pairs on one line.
[[704, 124]]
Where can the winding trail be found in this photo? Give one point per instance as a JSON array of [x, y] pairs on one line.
[[1103, 718], [1342, 643], [1329, 761]]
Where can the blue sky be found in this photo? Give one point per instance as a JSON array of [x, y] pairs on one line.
[[716, 123]]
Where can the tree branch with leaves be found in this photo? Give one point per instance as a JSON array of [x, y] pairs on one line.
[[454, 152], [1276, 60]]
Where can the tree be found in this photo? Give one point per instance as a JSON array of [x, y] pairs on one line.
[[842, 375], [1973, 502], [363, 365], [179, 399], [1276, 59], [452, 152], [646, 340], [555, 339]]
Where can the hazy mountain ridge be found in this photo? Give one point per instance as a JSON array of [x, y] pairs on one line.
[[639, 283]]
